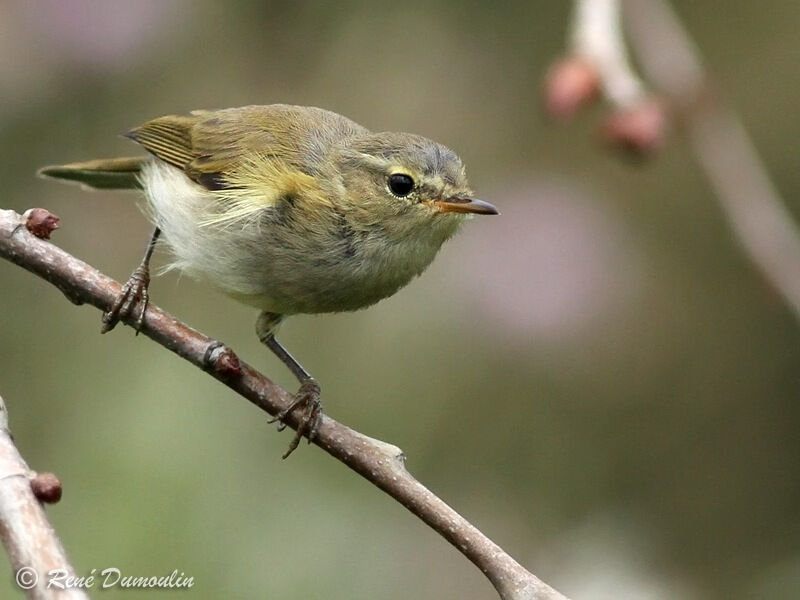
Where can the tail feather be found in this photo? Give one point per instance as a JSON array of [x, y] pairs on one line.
[[101, 174]]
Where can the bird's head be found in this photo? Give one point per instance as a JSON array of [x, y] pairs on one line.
[[407, 183]]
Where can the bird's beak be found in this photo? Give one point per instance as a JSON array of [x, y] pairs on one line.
[[464, 204]]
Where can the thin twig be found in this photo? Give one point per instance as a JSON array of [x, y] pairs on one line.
[[751, 203], [596, 37], [380, 463], [756, 213], [31, 543]]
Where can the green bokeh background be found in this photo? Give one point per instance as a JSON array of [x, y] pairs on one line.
[[598, 379]]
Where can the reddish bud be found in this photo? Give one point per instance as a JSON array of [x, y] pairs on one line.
[[570, 83], [46, 487], [640, 129], [220, 359], [227, 364], [41, 222]]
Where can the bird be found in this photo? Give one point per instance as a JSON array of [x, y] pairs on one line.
[[289, 209]]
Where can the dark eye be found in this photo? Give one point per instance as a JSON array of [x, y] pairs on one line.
[[401, 184]]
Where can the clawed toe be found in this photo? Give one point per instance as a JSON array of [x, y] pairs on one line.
[[133, 293], [307, 398]]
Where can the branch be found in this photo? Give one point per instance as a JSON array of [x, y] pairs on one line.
[[749, 201], [597, 61], [28, 537], [748, 198], [380, 463]]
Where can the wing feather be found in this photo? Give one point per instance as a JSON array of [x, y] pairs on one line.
[[169, 138], [251, 157]]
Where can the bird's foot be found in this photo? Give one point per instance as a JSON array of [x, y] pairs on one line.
[[133, 292], [307, 398]]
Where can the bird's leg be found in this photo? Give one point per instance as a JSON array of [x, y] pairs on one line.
[[133, 292], [307, 397]]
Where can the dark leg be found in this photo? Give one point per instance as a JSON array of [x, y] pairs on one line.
[[133, 292], [307, 397]]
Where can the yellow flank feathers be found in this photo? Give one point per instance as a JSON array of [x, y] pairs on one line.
[[260, 182]]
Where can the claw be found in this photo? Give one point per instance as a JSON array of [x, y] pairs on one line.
[[133, 292], [307, 398]]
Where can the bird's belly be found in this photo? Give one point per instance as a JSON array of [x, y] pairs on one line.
[[321, 287], [290, 275], [302, 278]]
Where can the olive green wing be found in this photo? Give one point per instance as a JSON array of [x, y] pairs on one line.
[[171, 139], [210, 146], [168, 138], [206, 145]]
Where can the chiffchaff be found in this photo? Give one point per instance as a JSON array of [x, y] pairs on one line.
[[290, 209]]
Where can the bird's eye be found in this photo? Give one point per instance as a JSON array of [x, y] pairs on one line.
[[401, 185]]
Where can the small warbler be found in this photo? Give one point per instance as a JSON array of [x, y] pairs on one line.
[[290, 209]]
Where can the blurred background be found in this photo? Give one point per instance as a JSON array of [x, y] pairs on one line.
[[598, 379]]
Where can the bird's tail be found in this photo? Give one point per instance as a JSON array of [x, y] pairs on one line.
[[100, 174]]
